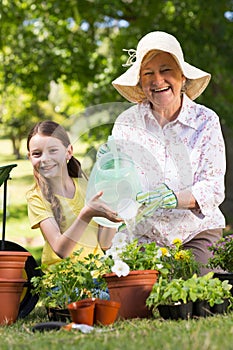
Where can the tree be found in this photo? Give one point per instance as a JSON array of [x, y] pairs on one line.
[[19, 112], [79, 43]]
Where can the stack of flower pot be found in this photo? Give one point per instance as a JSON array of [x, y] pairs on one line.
[[94, 311], [12, 264], [12, 282]]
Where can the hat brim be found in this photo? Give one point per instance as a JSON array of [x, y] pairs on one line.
[[128, 86]]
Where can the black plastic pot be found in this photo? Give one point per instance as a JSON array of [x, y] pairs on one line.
[[59, 315], [201, 308], [175, 312], [220, 308]]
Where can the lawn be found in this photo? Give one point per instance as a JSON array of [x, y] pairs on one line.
[[212, 333]]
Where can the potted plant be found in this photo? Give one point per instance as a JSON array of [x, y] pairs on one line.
[[179, 262], [125, 256], [222, 254], [188, 296], [128, 267], [222, 258], [210, 294], [68, 281], [130, 270], [171, 297]]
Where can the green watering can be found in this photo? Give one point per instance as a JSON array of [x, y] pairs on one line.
[[115, 174]]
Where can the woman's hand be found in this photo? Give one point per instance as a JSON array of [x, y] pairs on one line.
[[162, 197]]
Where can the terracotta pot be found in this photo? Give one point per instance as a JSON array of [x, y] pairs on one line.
[[131, 292], [82, 311], [106, 311], [10, 292], [12, 264]]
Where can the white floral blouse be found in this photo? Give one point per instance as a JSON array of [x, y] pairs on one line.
[[187, 153]]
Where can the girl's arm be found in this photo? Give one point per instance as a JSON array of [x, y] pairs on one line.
[[60, 244], [63, 244]]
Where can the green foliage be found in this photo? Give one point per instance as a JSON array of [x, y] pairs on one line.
[[78, 46], [165, 292], [136, 256], [196, 288], [82, 41], [172, 262], [141, 256], [179, 262], [69, 280], [222, 251], [210, 289]]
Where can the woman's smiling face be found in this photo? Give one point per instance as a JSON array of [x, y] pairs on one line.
[[161, 80], [48, 155]]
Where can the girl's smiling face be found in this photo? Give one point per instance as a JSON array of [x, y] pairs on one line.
[[48, 155], [161, 81]]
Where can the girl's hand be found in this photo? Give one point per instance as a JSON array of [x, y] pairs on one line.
[[96, 207]]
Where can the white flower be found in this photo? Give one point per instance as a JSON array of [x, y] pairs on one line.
[[113, 252], [159, 254], [120, 268], [119, 240], [159, 266]]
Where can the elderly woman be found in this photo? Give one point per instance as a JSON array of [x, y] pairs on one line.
[[176, 144]]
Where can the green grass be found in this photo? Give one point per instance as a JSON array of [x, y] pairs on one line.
[[212, 333]]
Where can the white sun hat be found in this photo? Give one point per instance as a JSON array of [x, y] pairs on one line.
[[128, 85]]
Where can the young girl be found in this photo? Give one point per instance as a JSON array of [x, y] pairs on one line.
[[56, 202]]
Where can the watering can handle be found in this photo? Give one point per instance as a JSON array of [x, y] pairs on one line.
[[112, 146]]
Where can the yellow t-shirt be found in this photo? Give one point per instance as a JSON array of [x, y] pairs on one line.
[[40, 209]]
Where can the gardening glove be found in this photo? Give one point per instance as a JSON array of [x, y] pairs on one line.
[[162, 197]]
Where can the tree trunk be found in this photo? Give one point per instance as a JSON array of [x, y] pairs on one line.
[[16, 143]]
